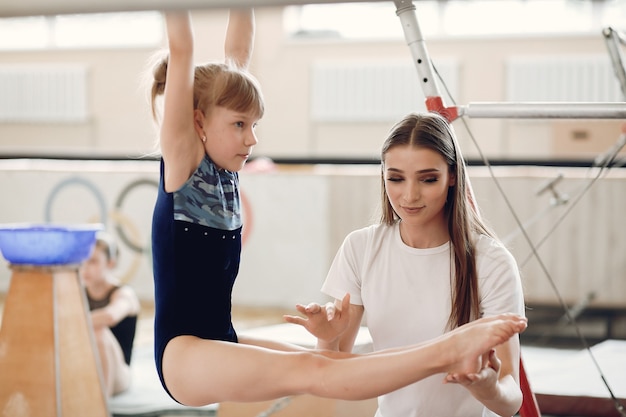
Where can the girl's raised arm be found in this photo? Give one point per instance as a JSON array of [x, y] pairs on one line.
[[180, 145], [239, 41]]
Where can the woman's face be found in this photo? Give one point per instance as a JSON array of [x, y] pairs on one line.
[[416, 182]]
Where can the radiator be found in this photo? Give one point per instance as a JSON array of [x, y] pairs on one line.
[[43, 94], [355, 91], [571, 78]]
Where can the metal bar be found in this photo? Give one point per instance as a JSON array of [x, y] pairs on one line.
[[537, 110], [9, 8], [614, 44], [424, 66], [406, 11], [414, 39]]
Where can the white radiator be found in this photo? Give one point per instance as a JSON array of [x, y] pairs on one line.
[[371, 91], [43, 94], [571, 78]]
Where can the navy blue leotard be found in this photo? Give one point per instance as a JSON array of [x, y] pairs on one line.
[[196, 247]]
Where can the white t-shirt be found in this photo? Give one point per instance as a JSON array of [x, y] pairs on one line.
[[406, 294]]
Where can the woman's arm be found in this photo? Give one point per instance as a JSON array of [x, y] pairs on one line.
[[497, 385], [508, 397], [239, 41]]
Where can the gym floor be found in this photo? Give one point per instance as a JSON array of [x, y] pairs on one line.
[[547, 330]]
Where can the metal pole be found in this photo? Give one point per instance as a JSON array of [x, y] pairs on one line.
[[414, 39], [15, 8], [533, 110], [425, 70], [614, 43], [538, 110]]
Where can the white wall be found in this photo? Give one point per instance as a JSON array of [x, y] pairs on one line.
[[295, 220], [301, 216], [120, 123]]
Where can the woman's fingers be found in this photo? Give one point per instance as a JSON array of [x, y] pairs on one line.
[[313, 308], [330, 310]]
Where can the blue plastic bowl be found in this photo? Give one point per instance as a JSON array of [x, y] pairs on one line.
[[44, 244]]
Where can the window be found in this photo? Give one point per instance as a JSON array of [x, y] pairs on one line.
[[103, 30], [456, 18]]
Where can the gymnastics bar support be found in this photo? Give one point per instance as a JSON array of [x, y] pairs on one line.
[[615, 40], [425, 70], [533, 110], [405, 10], [538, 110]]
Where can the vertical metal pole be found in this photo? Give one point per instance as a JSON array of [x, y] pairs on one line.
[[405, 10], [614, 44]]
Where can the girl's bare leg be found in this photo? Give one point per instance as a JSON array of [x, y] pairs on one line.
[[115, 372], [199, 371]]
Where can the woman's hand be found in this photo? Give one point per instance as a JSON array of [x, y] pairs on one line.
[[326, 322], [482, 384]]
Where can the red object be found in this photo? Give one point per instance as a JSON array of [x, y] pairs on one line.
[[530, 407], [435, 104]]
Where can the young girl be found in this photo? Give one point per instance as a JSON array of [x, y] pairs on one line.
[[207, 134], [114, 309], [439, 263]]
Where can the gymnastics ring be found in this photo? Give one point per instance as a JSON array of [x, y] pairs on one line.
[[76, 181], [118, 205], [119, 218]]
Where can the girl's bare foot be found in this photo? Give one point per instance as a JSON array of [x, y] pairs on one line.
[[469, 343]]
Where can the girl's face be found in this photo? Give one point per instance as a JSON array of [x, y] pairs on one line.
[[230, 137], [416, 182], [94, 269]]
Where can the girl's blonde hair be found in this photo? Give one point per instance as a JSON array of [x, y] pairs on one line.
[[215, 84], [432, 131]]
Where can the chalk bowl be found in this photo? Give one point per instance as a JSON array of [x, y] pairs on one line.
[[47, 244]]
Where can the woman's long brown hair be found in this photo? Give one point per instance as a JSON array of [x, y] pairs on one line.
[[432, 131]]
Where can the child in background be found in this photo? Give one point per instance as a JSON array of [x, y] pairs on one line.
[[114, 309]]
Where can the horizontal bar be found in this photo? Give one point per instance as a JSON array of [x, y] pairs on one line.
[[551, 110], [15, 8]]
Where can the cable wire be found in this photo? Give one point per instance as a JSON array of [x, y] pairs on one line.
[[619, 407]]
